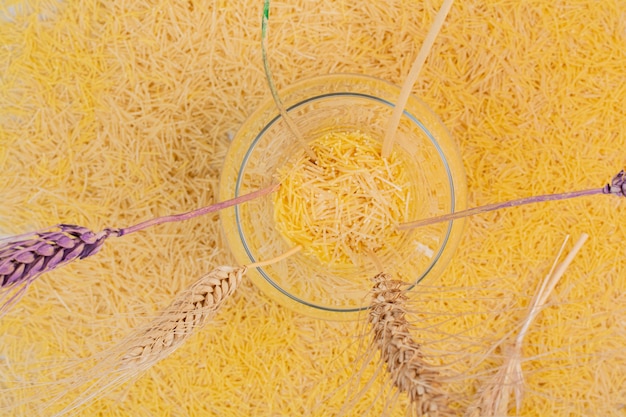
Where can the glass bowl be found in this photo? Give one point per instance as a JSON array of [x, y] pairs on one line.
[[319, 106]]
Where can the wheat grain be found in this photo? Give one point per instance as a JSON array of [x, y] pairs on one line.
[[403, 358]]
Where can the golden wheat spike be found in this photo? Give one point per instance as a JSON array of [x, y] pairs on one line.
[[403, 356], [188, 312], [156, 340], [148, 344]]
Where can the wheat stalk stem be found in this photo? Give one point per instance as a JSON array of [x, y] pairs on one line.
[[414, 72], [276, 259], [617, 187], [199, 212]]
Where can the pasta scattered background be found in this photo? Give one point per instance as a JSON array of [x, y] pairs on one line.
[[115, 112]]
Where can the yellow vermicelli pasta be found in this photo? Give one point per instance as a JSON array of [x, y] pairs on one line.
[[344, 206], [115, 112]]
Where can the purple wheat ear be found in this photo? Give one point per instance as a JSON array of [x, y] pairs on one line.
[[617, 185], [23, 258]]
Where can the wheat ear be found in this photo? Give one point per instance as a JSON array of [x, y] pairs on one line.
[[23, 258], [402, 356], [145, 346], [494, 397], [187, 313]]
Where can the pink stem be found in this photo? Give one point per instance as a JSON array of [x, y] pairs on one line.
[[198, 212], [498, 206]]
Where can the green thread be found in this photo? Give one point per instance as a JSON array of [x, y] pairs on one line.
[[266, 14]]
